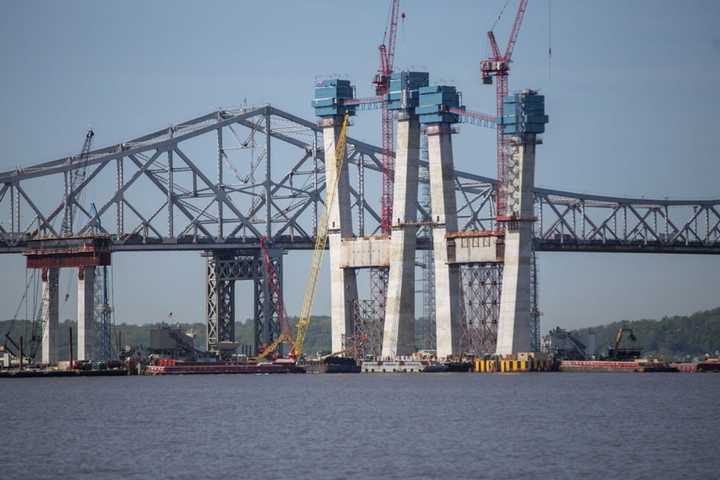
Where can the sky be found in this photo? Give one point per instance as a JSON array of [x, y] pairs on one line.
[[631, 91]]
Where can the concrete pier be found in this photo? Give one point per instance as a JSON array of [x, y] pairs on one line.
[[50, 312], [514, 322], [86, 334], [525, 119], [399, 328], [343, 283], [444, 216]]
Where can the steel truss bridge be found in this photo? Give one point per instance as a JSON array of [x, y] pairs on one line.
[[221, 181]]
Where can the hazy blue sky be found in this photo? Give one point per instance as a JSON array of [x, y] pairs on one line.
[[632, 94]]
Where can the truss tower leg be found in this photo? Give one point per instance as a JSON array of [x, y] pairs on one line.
[[224, 268], [399, 331], [220, 302], [266, 321]]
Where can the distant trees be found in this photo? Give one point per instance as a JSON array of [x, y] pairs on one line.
[[679, 337]]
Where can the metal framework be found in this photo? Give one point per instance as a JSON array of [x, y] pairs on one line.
[[482, 284], [220, 182], [212, 209], [224, 268]]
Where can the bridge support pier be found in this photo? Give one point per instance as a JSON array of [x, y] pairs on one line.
[[515, 301], [86, 332], [266, 308], [50, 312], [399, 329], [525, 118], [343, 282], [220, 300], [448, 280], [224, 268]]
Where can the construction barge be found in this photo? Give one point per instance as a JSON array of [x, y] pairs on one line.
[[637, 366], [54, 373], [176, 367]]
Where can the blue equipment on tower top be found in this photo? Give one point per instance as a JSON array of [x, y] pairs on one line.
[[524, 113], [435, 102], [329, 94]]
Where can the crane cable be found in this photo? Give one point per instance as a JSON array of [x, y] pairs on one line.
[[497, 20]]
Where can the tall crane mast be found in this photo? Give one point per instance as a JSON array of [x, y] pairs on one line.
[[381, 81], [498, 66]]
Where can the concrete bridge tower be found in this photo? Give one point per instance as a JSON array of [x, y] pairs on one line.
[[434, 115], [399, 327], [524, 119], [329, 96]]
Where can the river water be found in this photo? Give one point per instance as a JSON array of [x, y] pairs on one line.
[[444, 426]]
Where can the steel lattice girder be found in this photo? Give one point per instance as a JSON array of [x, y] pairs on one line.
[[224, 268], [482, 285], [197, 207]]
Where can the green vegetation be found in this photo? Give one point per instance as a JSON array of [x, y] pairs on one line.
[[316, 340], [680, 337]]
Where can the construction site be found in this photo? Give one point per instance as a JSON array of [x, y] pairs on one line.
[[468, 243]]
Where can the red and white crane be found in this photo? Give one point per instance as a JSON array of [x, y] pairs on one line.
[[381, 81], [498, 66]]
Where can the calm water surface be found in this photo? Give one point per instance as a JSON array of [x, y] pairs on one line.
[[587, 426]]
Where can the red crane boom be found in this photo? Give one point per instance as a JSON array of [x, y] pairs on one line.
[[498, 66], [382, 85], [273, 280]]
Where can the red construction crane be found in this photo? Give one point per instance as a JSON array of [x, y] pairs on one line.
[[275, 297], [382, 85], [498, 66]]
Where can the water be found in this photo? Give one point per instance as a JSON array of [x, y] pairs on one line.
[[579, 426]]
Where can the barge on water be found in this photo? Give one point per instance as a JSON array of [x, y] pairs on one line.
[[615, 366], [53, 373], [175, 367]]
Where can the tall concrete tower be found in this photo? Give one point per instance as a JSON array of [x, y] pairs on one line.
[[329, 96], [399, 327], [523, 120], [434, 115]]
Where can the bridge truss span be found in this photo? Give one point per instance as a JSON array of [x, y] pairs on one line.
[[593, 223], [225, 179]]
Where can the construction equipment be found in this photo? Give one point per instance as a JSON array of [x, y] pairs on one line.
[[320, 241], [498, 66], [296, 345], [381, 81], [73, 179], [617, 352], [103, 309], [565, 346], [276, 297]]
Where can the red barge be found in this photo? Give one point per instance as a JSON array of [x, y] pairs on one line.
[[177, 367], [615, 366]]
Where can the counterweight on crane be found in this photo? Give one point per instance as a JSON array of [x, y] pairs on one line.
[[381, 81], [498, 66]]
